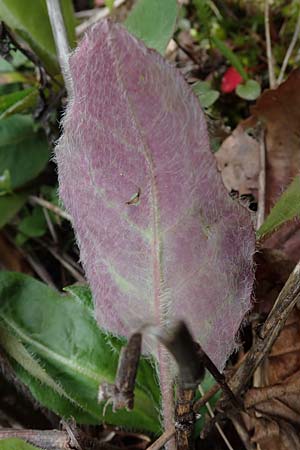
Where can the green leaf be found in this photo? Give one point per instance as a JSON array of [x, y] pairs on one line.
[[5, 183], [17, 102], [32, 24], [230, 56], [33, 225], [9, 206], [16, 444], [61, 354], [205, 15], [23, 151], [249, 90], [153, 21], [285, 209], [82, 294], [206, 95]]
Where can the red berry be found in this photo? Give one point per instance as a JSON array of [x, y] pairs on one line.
[[231, 79]]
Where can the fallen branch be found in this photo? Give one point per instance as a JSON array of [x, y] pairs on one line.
[[56, 440], [287, 299]]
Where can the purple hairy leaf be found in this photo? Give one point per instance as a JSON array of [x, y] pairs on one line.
[[160, 238]]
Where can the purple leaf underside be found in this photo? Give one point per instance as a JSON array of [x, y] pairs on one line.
[[160, 238]]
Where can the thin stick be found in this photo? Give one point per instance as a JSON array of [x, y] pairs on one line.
[[261, 181], [242, 432], [49, 439], [272, 79], [162, 440], [100, 14], [50, 225], [45, 204], [289, 50], [61, 40], [121, 393], [206, 396], [211, 413], [56, 440], [74, 272], [184, 418], [287, 299]]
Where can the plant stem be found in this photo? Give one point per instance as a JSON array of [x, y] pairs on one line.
[[162, 440], [56, 440], [261, 181], [272, 79], [287, 299], [61, 40], [289, 50], [49, 439], [167, 393]]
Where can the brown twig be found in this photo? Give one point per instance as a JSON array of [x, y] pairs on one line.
[[121, 394], [212, 415], [287, 299], [206, 397], [162, 440], [56, 440], [221, 380], [184, 418], [49, 439], [242, 432], [69, 267]]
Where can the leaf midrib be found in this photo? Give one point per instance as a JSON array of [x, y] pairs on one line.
[[52, 355]]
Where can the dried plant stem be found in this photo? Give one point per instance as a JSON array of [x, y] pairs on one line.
[[163, 439], [45, 204], [69, 267], [49, 439], [185, 418], [287, 299], [206, 397], [50, 226], [98, 15], [289, 50], [261, 181], [211, 413], [272, 79], [167, 393], [242, 432], [61, 40], [56, 440]]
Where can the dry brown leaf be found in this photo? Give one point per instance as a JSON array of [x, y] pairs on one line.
[[279, 112], [278, 403], [238, 159], [274, 435], [273, 268]]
